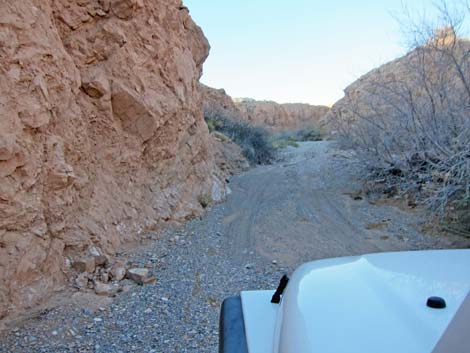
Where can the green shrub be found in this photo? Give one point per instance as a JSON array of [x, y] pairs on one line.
[[290, 138], [309, 133], [205, 200], [253, 140], [283, 140], [211, 125]]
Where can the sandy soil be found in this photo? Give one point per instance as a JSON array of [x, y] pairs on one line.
[[305, 207], [309, 206]]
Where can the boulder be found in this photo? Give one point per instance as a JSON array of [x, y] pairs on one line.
[[118, 273], [84, 265], [94, 82], [124, 9], [104, 288], [140, 275], [101, 260], [8, 146]]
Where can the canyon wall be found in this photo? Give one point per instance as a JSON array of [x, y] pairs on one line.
[[102, 133], [418, 91], [288, 116], [361, 97], [217, 102], [275, 116]]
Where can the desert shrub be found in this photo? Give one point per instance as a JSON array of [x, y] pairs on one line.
[[211, 125], [283, 139], [309, 133], [410, 120], [221, 136], [253, 140], [205, 200], [292, 137]]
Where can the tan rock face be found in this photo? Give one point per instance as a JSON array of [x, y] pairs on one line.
[[271, 114], [382, 94], [217, 102], [102, 133], [305, 114], [281, 116], [228, 155]]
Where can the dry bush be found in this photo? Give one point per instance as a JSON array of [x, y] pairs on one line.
[[283, 139], [286, 138], [309, 132], [253, 140], [410, 119]]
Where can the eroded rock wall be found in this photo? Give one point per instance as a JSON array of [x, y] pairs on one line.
[[270, 114], [217, 102], [289, 116], [306, 113], [413, 87], [102, 134]]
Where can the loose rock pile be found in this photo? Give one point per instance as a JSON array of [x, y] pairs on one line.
[[97, 273]]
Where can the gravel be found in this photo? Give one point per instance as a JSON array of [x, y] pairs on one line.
[[179, 313], [196, 266]]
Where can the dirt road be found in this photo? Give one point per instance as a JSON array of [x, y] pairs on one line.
[[309, 207], [303, 208]]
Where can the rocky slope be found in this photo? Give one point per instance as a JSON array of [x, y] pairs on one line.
[[289, 116], [102, 133], [217, 102], [416, 85], [359, 96], [271, 114]]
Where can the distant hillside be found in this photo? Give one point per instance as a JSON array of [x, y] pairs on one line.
[[271, 114], [281, 116]]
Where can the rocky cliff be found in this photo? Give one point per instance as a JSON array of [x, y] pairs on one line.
[[412, 89], [289, 116], [102, 133], [217, 102], [271, 114], [361, 97]]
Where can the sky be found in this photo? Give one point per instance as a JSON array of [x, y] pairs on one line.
[[298, 50]]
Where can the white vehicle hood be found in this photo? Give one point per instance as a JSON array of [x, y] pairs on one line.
[[368, 304]]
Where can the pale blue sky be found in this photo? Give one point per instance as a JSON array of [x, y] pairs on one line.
[[297, 50]]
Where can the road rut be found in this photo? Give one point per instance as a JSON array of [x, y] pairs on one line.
[[305, 207]]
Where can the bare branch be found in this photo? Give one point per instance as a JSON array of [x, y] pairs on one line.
[[414, 113]]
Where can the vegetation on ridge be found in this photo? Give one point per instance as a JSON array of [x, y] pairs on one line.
[[409, 120]]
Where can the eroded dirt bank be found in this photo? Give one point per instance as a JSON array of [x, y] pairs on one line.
[[303, 208]]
